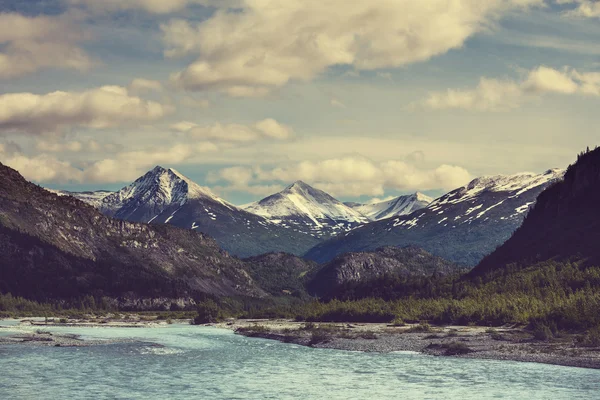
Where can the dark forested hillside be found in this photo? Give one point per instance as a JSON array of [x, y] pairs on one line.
[[59, 247], [564, 224]]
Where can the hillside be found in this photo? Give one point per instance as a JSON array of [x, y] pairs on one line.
[[359, 269], [57, 247], [280, 273]]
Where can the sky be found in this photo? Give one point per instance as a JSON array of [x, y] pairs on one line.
[[363, 99]]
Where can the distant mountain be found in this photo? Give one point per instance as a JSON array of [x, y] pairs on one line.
[[57, 247], [361, 268], [280, 273], [302, 208], [564, 224], [462, 226], [402, 205], [93, 198], [165, 196]]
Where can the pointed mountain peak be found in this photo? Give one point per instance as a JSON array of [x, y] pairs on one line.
[[422, 197], [299, 185], [157, 170]]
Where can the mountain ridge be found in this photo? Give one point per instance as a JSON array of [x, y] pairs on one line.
[[461, 226]]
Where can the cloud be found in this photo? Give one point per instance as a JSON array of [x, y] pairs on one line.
[[103, 107], [141, 85], [42, 168], [122, 167], [489, 95], [584, 8], [28, 44], [257, 46], [232, 133], [348, 176], [502, 95]]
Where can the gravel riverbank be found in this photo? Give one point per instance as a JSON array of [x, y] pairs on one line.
[[506, 343]]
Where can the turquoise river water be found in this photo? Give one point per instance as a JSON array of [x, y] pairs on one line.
[[209, 363]]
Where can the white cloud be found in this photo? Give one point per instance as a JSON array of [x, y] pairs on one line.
[[43, 168], [263, 44], [141, 85], [348, 176], [28, 44], [122, 167], [218, 132], [502, 95], [103, 107], [489, 95], [548, 80]]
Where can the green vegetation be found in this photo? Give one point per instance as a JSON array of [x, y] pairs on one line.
[[423, 327], [208, 313], [561, 296]]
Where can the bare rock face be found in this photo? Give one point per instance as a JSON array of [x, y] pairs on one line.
[[55, 246], [363, 267]]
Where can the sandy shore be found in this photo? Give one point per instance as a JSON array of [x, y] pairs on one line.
[[506, 343]]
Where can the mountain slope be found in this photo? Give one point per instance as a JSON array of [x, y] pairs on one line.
[[462, 226], [302, 208], [565, 222], [361, 268], [59, 247], [402, 205], [164, 196]]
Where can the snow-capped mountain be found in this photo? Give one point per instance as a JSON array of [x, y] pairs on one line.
[[401, 205], [92, 198], [158, 190], [462, 226], [164, 196], [302, 208]]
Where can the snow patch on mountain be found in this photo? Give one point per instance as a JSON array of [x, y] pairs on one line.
[[92, 198]]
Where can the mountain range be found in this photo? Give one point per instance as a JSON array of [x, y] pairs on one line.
[[292, 221], [165, 196], [461, 226]]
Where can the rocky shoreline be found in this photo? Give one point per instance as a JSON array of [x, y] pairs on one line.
[[506, 343]]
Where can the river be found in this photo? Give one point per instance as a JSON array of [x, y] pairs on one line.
[[210, 363]]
